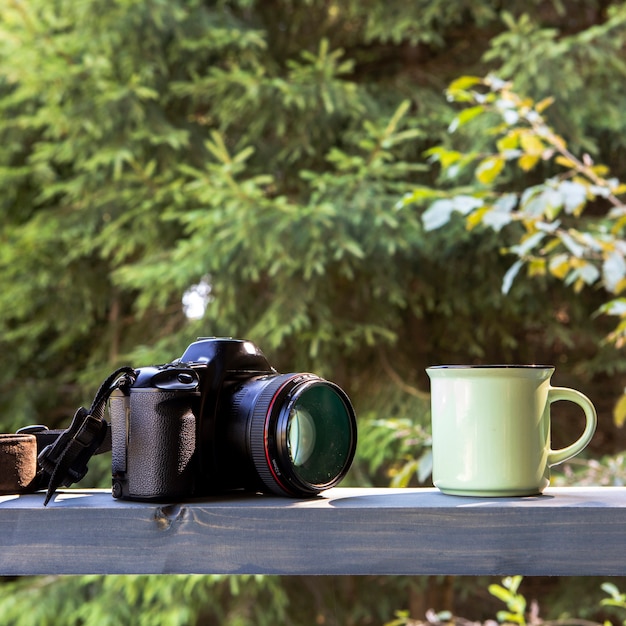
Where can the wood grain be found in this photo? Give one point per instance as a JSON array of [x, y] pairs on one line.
[[567, 531]]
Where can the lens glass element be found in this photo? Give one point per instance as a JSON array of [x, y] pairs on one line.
[[319, 434], [300, 436]]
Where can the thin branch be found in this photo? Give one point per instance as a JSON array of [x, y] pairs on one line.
[[397, 379]]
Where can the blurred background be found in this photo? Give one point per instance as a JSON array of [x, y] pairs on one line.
[[180, 168]]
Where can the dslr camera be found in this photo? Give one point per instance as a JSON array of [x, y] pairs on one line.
[[222, 418]]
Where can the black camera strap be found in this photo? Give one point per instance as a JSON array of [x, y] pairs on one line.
[[64, 461]]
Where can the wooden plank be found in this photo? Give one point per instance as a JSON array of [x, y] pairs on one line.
[[567, 531]]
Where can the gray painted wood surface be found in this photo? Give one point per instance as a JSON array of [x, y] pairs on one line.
[[567, 531]]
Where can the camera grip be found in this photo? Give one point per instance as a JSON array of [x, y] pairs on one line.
[[154, 440]]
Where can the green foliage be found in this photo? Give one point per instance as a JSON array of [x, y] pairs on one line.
[[515, 602], [207, 600], [163, 156], [608, 471], [399, 447], [616, 598], [307, 252], [258, 150], [144, 600], [557, 237], [518, 609], [574, 64]]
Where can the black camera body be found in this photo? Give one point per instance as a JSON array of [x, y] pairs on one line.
[[221, 418]]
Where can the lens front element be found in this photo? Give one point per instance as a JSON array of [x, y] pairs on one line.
[[302, 432], [322, 421], [300, 436]]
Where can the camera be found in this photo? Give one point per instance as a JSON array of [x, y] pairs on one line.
[[221, 418]]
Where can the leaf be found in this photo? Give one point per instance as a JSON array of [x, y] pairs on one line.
[[528, 243], [400, 112], [613, 270], [542, 105], [506, 202], [465, 116], [600, 170], [575, 248], [418, 195], [466, 204], [244, 155], [501, 213], [619, 412], [508, 110], [501, 593], [531, 144], [614, 307], [489, 169], [513, 582], [509, 142], [541, 200], [537, 267], [437, 214], [477, 218], [601, 191], [559, 266], [574, 195], [610, 588], [353, 248], [565, 162], [425, 468], [444, 156], [510, 275], [527, 161], [589, 273], [464, 82], [404, 475], [529, 193]]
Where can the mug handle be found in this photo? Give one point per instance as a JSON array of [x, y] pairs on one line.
[[564, 393]]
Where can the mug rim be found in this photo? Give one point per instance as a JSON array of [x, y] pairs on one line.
[[495, 366]]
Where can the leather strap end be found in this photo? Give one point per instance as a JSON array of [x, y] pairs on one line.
[[18, 463]]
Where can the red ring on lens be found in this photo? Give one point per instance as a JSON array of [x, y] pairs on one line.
[[266, 431]]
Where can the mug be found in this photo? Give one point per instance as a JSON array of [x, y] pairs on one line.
[[491, 428]]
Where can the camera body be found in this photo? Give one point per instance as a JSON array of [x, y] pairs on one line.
[[221, 418]]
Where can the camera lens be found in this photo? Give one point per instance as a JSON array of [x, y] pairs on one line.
[[301, 431], [318, 434]]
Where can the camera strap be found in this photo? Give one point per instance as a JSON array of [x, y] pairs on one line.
[[64, 461]]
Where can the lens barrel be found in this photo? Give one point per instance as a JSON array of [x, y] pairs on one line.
[[300, 431]]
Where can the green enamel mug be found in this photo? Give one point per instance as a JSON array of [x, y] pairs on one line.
[[491, 428]]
